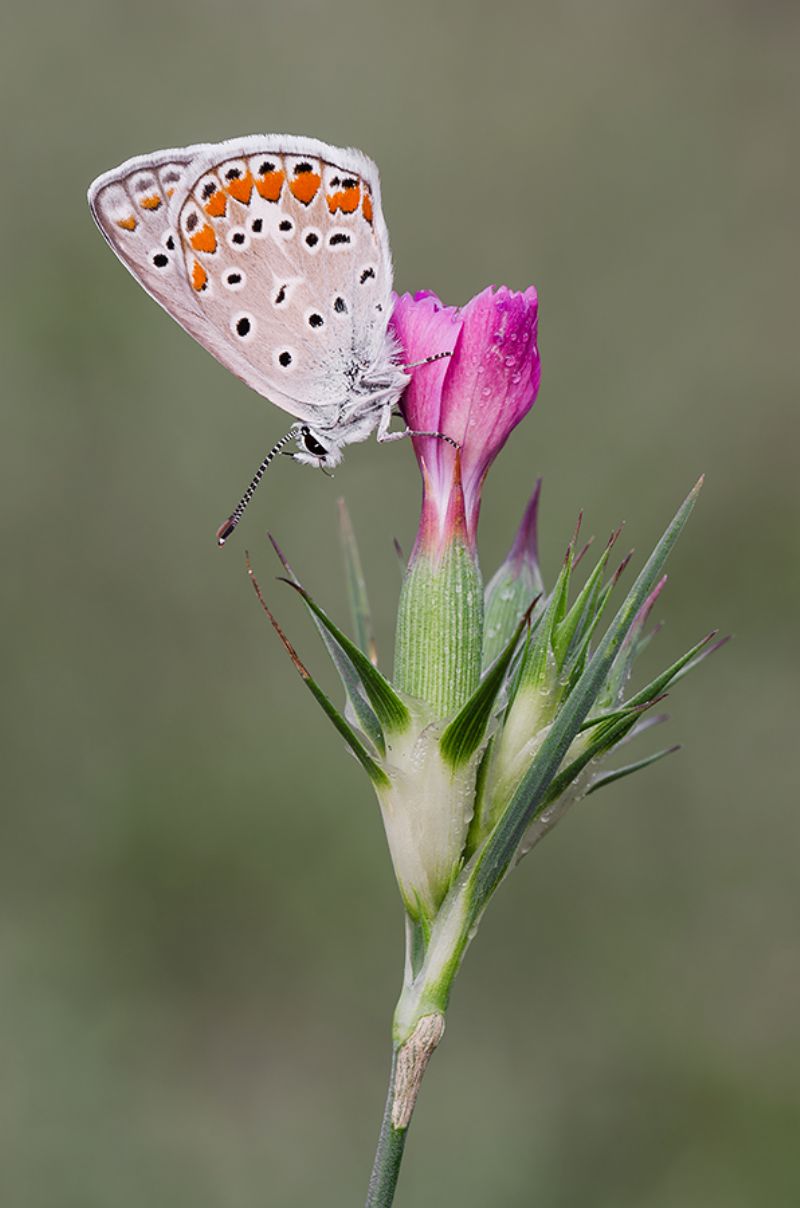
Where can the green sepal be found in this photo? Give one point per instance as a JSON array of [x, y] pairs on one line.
[[465, 733], [350, 678], [356, 587], [629, 769], [493, 860], [373, 770], [389, 709]]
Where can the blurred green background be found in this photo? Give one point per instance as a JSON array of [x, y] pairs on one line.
[[200, 939]]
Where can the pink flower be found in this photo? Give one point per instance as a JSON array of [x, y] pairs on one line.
[[476, 396]]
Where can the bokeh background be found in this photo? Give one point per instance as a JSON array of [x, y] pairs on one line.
[[200, 939]]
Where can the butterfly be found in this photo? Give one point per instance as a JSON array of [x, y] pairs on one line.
[[272, 251]]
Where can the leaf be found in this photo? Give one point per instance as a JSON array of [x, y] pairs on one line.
[[629, 769], [620, 669], [356, 587], [350, 678], [606, 737], [491, 863], [390, 710], [464, 734], [680, 668], [375, 773], [572, 628]]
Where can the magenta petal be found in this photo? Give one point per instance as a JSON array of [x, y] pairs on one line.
[[424, 328], [475, 397], [492, 381]]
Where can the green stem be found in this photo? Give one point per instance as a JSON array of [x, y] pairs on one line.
[[389, 1154], [409, 1062]]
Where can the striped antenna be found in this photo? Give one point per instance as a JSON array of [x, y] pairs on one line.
[[224, 531]]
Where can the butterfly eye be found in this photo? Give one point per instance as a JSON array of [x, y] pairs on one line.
[[313, 445]]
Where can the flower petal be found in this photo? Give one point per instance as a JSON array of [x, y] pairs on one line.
[[424, 328], [492, 380]]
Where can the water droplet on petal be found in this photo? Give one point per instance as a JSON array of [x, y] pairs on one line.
[[510, 361], [516, 377], [487, 390]]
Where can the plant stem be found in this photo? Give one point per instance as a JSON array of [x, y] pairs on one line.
[[389, 1154], [409, 1063]]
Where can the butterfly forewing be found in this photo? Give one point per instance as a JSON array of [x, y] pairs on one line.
[[270, 250], [285, 259]]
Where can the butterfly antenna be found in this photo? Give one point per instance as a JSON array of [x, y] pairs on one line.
[[224, 531]]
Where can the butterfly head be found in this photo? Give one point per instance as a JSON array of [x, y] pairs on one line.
[[319, 449]]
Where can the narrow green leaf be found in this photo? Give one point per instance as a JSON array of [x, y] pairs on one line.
[[373, 770], [678, 669], [356, 587], [629, 769], [493, 860], [465, 732], [620, 670], [536, 666], [571, 630], [390, 710], [604, 742], [350, 678]]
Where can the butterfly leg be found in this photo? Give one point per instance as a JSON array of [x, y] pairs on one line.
[[384, 436]]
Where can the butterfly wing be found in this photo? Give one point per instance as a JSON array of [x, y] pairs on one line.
[[270, 250]]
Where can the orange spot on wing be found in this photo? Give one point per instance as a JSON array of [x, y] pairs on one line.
[[270, 185], [304, 187], [366, 208], [127, 224], [152, 202], [199, 276], [345, 200], [240, 188], [217, 204], [170, 192], [204, 240]]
